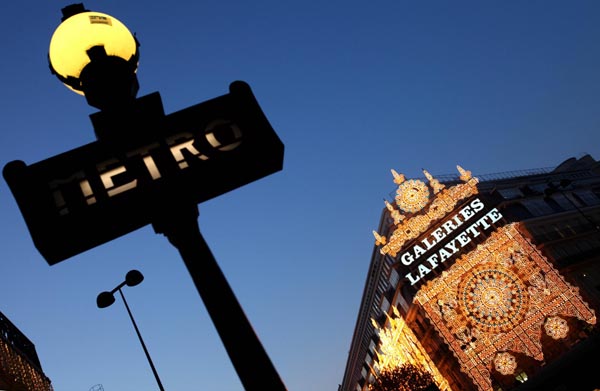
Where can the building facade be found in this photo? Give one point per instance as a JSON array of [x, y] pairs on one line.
[[489, 283], [20, 368]]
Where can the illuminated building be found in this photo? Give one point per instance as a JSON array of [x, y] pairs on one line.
[[20, 368], [489, 283]]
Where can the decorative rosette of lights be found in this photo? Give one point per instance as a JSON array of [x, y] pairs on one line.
[[412, 195], [556, 327], [493, 299], [505, 363]]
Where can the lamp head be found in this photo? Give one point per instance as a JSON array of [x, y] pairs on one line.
[[105, 299], [133, 278], [95, 55]]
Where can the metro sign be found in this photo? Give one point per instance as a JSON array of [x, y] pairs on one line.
[[95, 193]]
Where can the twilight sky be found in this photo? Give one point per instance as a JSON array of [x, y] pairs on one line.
[[353, 89]]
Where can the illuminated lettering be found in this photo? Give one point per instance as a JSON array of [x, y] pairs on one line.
[[449, 226], [477, 205], [151, 166], [418, 250], [444, 254], [463, 239], [423, 270], [433, 261], [457, 220], [109, 185], [473, 230], [188, 145], [229, 126], [57, 194], [413, 280], [482, 221], [454, 245], [86, 189], [466, 213], [118, 176], [438, 234], [145, 153], [451, 246], [428, 244], [407, 258], [495, 215]]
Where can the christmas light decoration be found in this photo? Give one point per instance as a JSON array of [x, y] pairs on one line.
[[20, 370], [413, 197], [495, 299], [505, 363], [556, 327], [490, 302], [398, 345]]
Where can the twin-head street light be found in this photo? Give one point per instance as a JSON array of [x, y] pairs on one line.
[[147, 168], [105, 299]]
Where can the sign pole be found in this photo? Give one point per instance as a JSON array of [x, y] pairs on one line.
[[248, 356]]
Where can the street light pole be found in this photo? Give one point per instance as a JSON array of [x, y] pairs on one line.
[[106, 299], [137, 331], [248, 356]]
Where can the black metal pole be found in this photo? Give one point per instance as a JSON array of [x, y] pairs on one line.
[[160, 386], [248, 356]]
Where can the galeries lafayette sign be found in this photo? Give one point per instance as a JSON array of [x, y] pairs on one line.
[[455, 232]]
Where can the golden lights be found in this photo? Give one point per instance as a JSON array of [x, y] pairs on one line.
[[556, 327], [398, 345], [413, 197], [493, 299], [505, 363], [497, 299], [24, 375], [79, 33]]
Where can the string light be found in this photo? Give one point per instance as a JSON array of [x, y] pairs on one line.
[[413, 197], [398, 345], [505, 363], [556, 327], [21, 371], [495, 299]]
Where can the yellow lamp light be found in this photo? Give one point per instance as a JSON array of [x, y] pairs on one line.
[[85, 38]]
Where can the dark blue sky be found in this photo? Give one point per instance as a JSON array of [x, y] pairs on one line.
[[353, 89]]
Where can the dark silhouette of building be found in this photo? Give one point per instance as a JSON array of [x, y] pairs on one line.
[[20, 368], [490, 283]]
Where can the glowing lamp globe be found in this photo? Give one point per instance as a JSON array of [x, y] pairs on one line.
[[95, 55]]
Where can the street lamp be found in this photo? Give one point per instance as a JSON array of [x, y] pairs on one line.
[[105, 299], [95, 55], [148, 168]]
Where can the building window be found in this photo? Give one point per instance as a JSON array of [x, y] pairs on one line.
[[521, 377], [394, 278], [400, 302], [537, 207], [562, 201], [372, 347], [510, 193], [586, 197], [385, 305]]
